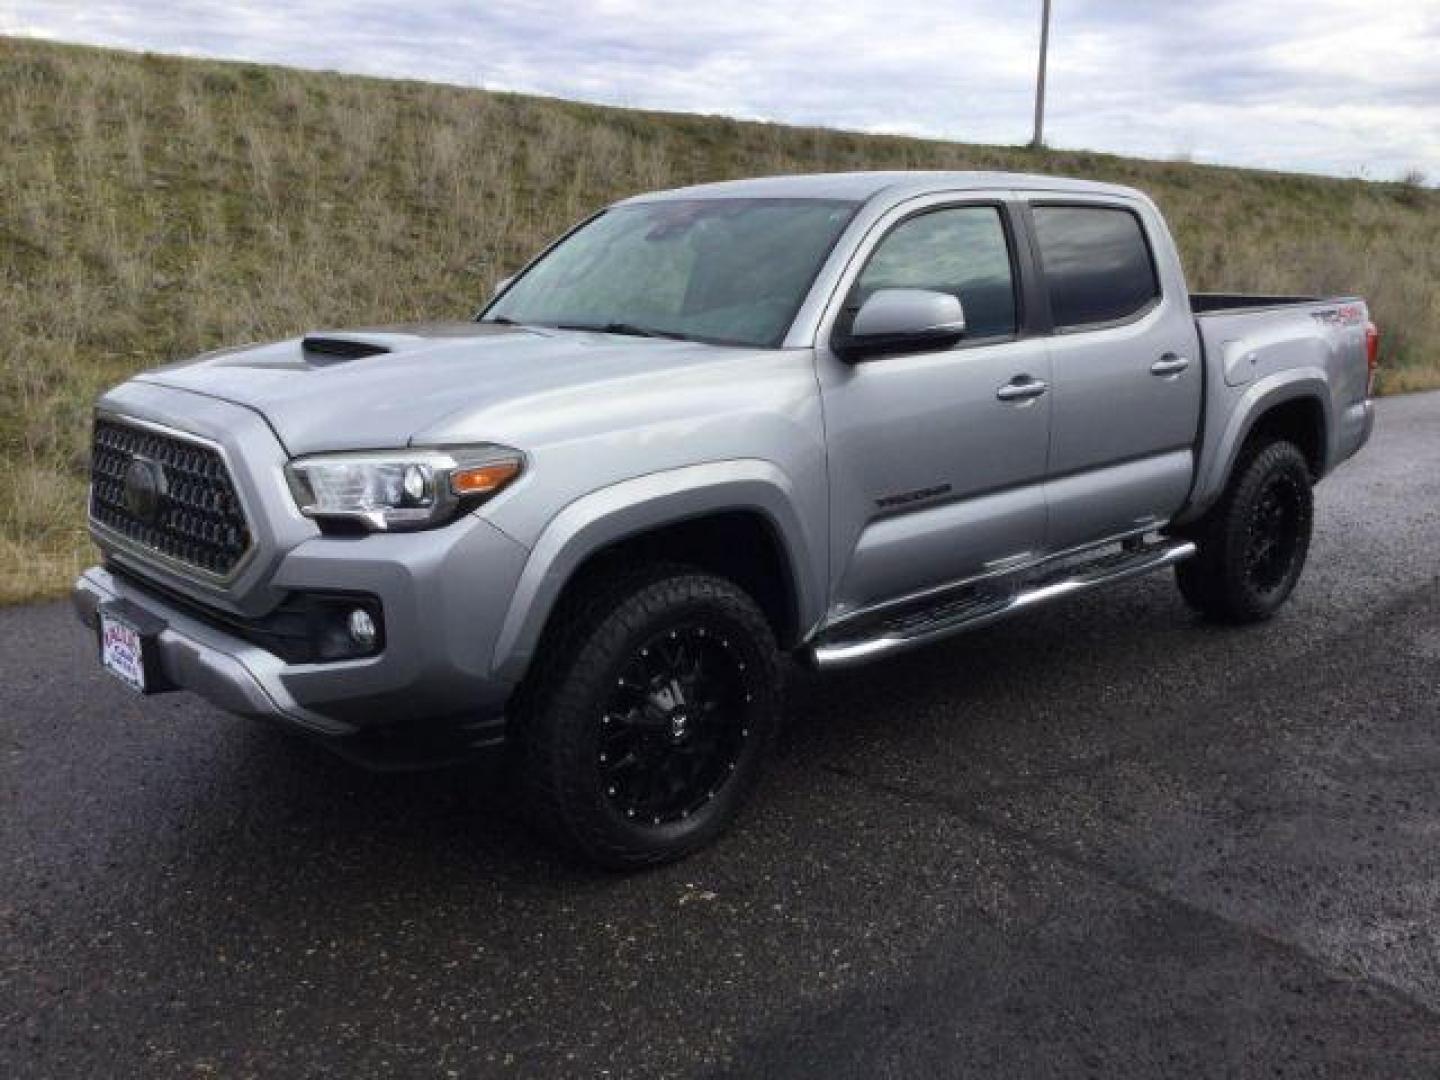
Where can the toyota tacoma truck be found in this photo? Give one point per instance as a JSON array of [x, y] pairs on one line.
[[829, 417]]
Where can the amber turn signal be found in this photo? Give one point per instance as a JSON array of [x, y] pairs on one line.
[[484, 479]]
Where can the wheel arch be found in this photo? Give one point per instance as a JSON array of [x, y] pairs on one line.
[[1299, 420], [1295, 405], [736, 518]]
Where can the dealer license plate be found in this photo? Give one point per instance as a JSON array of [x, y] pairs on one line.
[[122, 651]]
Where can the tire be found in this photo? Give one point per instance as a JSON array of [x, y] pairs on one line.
[[1253, 543], [644, 723]]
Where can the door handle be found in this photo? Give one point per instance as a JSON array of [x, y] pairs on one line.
[[1022, 388], [1169, 364]]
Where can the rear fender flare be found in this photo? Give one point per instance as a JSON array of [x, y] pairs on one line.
[[1303, 383]]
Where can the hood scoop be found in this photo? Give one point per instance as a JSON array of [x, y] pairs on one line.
[[324, 348]]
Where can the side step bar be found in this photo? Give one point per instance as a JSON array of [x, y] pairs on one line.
[[898, 636]]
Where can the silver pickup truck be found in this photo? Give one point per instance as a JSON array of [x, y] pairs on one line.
[[832, 416]]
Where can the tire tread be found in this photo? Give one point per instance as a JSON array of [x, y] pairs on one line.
[[589, 627], [1210, 581]]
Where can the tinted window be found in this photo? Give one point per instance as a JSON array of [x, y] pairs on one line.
[[727, 270], [1097, 266], [960, 251]]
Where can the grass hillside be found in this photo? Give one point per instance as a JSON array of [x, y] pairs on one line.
[[154, 207]]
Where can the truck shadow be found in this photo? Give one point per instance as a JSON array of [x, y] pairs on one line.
[[263, 860], [1038, 694]]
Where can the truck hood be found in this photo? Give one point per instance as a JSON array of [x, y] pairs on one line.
[[392, 386]]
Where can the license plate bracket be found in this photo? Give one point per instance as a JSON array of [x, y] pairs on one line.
[[129, 644]]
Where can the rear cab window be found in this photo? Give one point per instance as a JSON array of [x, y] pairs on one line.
[[1098, 267]]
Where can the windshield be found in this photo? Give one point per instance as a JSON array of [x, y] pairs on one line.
[[731, 271]]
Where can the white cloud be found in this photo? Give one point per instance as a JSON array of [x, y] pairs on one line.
[[1333, 86]]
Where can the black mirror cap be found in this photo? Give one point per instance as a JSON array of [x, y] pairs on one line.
[[894, 320], [855, 350]]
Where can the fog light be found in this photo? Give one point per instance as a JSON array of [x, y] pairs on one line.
[[362, 628]]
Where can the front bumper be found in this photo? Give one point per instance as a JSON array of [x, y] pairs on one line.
[[443, 593], [226, 671]]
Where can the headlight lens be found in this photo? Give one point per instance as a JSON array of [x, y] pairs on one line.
[[401, 489]]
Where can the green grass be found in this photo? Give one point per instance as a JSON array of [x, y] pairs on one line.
[[154, 207]]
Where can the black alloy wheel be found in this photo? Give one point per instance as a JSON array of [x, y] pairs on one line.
[[675, 725], [1274, 529], [1253, 543], [644, 722]]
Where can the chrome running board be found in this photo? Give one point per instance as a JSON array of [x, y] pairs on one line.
[[983, 607]]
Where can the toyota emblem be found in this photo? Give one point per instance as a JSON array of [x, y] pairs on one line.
[[144, 488]]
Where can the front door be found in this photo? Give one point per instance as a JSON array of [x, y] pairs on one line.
[[937, 467]]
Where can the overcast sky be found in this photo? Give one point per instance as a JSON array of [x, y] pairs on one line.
[[1350, 87]]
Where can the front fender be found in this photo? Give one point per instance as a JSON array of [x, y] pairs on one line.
[[635, 506]]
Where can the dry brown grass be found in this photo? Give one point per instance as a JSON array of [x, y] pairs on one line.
[[154, 207]]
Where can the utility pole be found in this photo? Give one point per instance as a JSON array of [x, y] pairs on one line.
[[1039, 140]]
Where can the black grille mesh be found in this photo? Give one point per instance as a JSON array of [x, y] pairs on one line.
[[198, 521]]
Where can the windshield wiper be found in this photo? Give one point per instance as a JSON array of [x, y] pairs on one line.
[[630, 329]]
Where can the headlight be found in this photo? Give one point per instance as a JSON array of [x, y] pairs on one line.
[[401, 489]]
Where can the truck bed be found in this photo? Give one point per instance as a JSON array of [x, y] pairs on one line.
[[1251, 341], [1209, 303]]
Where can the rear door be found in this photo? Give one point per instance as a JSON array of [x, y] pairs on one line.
[[1125, 365], [933, 478]]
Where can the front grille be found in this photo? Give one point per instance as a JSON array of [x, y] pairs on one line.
[[187, 510]]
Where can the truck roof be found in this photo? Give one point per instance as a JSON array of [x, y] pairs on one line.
[[863, 186]]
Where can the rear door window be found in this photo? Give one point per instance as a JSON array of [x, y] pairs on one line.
[[1097, 264]]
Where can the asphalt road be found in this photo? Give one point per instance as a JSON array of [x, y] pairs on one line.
[[1103, 840]]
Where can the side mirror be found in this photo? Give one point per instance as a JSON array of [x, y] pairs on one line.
[[902, 320]]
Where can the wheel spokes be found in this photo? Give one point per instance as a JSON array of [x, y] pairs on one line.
[[672, 731], [1274, 529]]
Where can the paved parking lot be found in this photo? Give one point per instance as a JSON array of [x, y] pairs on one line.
[[1105, 839]]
